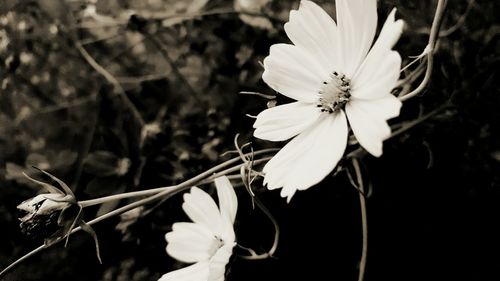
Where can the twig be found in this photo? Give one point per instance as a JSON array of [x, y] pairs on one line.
[[436, 23], [403, 128], [65, 105], [214, 12], [111, 79], [411, 124], [96, 40], [164, 53], [459, 22], [87, 143], [140, 79]]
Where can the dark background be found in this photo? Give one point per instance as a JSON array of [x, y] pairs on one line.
[[433, 210]]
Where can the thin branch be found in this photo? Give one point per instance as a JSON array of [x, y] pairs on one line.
[[164, 53], [403, 128], [96, 40], [87, 144], [459, 22], [140, 79], [65, 105], [214, 12], [111, 79]]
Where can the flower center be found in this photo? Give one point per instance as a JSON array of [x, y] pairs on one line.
[[335, 93]]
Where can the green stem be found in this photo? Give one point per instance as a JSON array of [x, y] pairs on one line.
[[364, 220], [148, 192], [436, 24]]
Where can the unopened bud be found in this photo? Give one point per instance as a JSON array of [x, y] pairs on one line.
[[43, 204], [42, 214]]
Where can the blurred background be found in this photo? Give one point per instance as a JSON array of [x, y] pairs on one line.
[[122, 95]]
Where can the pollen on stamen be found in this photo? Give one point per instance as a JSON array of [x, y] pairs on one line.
[[335, 93]]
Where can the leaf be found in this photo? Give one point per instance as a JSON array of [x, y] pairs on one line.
[[48, 187], [87, 228], [128, 218], [102, 164], [61, 183], [182, 11], [253, 6], [496, 155], [14, 172]]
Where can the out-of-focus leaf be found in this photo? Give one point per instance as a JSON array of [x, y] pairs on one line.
[[109, 206], [129, 218], [38, 160], [183, 8], [243, 54], [104, 163], [253, 6], [196, 71], [14, 172], [102, 186], [496, 155], [208, 149]]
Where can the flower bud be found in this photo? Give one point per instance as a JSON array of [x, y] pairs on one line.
[[42, 214], [43, 204]]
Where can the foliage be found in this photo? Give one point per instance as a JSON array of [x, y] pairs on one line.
[[434, 193]]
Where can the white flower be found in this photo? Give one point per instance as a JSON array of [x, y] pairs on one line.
[[332, 72], [209, 240]]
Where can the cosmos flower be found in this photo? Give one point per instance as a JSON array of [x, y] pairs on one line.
[[337, 78], [209, 240]]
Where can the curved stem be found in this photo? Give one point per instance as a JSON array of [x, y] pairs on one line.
[[21, 259], [274, 247], [436, 23], [141, 193], [364, 220]]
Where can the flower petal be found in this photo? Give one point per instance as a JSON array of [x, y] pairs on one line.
[[219, 261], [309, 157], [228, 202], [313, 30], [282, 122], [380, 70], [195, 272], [191, 242], [293, 72], [201, 208], [368, 121], [357, 23]]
